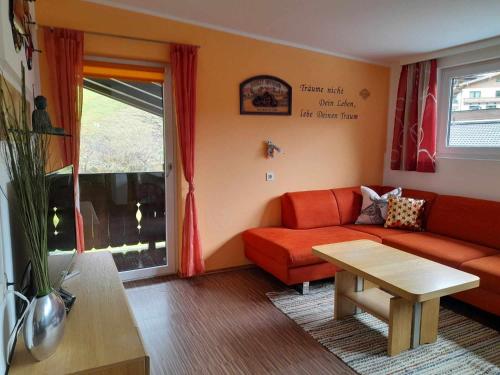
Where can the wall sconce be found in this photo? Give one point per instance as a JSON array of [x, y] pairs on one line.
[[271, 148]]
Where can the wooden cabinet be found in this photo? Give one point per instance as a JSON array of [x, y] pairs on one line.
[[101, 335]]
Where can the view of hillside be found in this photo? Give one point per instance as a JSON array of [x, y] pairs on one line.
[[116, 137]]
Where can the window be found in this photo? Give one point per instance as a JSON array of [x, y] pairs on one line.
[[122, 126], [470, 129]]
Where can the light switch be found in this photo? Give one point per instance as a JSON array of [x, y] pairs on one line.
[[270, 176]]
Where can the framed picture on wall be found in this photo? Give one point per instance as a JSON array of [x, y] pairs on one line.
[[265, 95]]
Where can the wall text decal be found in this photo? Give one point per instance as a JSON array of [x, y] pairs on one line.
[[331, 103]]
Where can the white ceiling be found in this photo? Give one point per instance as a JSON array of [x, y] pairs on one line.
[[381, 31]]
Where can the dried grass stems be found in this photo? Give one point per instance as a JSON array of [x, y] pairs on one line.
[[26, 156]]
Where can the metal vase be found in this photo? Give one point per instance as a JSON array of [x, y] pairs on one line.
[[44, 325]]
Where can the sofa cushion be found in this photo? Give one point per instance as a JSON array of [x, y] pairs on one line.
[[349, 201], [488, 270], [427, 196], [384, 189], [374, 206], [377, 230], [405, 213], [294, 246], [446, 250], [309, 209], [468, 219]]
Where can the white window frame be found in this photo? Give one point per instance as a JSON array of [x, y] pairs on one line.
[[446, 76]]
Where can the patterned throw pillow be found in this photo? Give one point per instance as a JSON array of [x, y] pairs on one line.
[[374, 207], [404, 213]]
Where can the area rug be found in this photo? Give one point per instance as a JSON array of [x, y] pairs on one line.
[[463, 346]]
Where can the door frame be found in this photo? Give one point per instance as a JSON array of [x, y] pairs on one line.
[[170, 173]]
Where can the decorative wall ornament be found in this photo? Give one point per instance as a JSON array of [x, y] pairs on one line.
[[271, 148], [16, 16], [21, 23], [265, 95], [364, 94]]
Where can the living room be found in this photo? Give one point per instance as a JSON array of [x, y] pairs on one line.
[[252, 187]]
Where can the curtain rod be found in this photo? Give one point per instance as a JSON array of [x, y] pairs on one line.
[[123, 36]]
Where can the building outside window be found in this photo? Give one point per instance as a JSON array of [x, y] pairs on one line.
[[469, 118], [476, 92]]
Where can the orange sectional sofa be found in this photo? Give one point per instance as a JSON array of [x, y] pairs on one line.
[[460, 232]]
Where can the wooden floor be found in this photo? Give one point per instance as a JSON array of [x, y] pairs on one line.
[[223, 324]]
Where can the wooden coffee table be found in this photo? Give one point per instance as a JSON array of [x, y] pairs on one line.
[[397, 287]]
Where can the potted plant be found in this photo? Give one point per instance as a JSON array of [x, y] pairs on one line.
[[26, 156]]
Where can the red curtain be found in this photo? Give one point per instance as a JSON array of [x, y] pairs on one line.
[[415, 122], [64, 53], [184, 61]]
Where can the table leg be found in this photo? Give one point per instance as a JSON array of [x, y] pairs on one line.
[[429, 321], [400, 325], [425, 322], [416, 323], [344, 282], [360, 286]]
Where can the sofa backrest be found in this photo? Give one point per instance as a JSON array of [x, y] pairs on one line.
[[468, 219], [349, 201], [309, 209]]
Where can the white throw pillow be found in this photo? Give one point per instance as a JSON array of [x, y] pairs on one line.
[[374, 207]]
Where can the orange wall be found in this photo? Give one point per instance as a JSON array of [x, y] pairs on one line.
[[231, 190]]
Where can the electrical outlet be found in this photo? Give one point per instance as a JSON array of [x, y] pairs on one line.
[[270, 176]]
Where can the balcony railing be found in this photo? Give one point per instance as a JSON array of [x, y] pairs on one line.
[[125, 213]]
